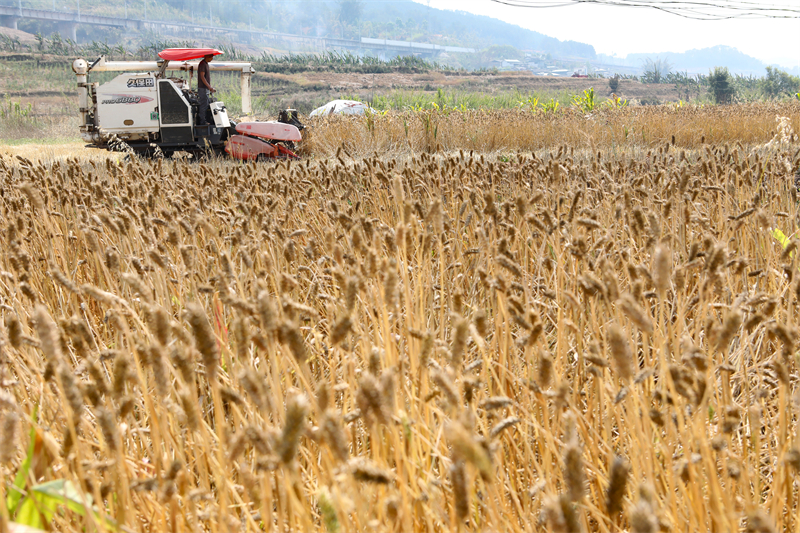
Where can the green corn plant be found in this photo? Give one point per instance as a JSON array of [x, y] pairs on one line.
[[616, 102], [532, 103], [586, 102], [35, 506], [551, 106], [15, 110], [369, 117]]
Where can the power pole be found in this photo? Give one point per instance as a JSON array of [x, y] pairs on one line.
[[145, 9]]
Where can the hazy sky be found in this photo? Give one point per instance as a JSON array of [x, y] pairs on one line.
[[620, 31]]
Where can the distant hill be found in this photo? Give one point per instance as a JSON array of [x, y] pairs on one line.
[[388, 19], [350, 19], [700, 61], [468, 29]]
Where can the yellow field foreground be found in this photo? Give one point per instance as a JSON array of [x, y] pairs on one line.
[[565, 341]]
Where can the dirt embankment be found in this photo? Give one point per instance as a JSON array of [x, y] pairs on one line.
[[22, 36], [489, 83]]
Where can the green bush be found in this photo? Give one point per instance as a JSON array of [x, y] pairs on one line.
[[720, 85], [613, 83], [778, 83]]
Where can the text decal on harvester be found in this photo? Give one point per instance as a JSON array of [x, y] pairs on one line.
[[126, 99], [141, 82]]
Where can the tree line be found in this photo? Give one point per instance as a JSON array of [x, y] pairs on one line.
[[720, 84]]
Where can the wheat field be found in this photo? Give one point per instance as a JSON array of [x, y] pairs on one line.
[[631, 129], [570, 339]]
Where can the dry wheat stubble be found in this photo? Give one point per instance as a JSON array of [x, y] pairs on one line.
[[569, 340]]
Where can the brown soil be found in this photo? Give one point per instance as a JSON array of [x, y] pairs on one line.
[[523, 82], [24, 37]]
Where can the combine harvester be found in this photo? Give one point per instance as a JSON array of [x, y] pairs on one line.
[[147, 109]]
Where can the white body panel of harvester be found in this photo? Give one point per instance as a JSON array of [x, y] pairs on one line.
[[136, 106], [220, 114], [128, 105]]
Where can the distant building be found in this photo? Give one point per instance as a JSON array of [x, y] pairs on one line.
[[508, 64]]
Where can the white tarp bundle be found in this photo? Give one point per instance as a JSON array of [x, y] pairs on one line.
[[344, 107]]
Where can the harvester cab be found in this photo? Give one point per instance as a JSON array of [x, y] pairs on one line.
[[148, 107]]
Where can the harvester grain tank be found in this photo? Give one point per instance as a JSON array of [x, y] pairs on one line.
[[148, 108]]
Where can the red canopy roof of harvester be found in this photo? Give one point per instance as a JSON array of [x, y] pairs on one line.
[[186, 54]]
